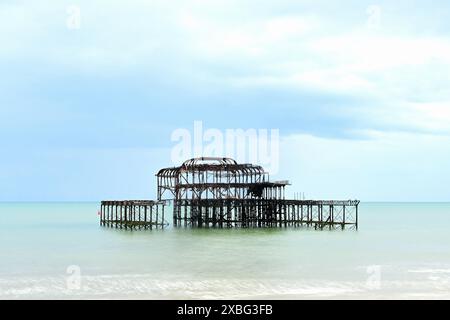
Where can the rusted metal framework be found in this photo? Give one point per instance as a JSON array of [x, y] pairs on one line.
[[133, 214], [266, 213], [219, 192], [217, 178]]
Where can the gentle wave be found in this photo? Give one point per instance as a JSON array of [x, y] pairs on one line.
[[144, 286], [432, 271]]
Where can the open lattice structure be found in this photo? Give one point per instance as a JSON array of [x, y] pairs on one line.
[[219, 192]]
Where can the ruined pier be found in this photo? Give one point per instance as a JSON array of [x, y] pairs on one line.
[[221, 193], [251, 213], [133, 214]]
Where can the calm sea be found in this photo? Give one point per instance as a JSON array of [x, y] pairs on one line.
[[58, 250]]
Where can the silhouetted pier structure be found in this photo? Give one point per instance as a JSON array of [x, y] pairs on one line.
[[226, 213], [133, 214], [221, 193]]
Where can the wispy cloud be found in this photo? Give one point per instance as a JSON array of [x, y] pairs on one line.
[[135, 71]]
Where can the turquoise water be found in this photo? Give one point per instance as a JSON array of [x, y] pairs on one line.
[[401, 250]]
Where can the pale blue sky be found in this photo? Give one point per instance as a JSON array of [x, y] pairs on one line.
[[358, 89]]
